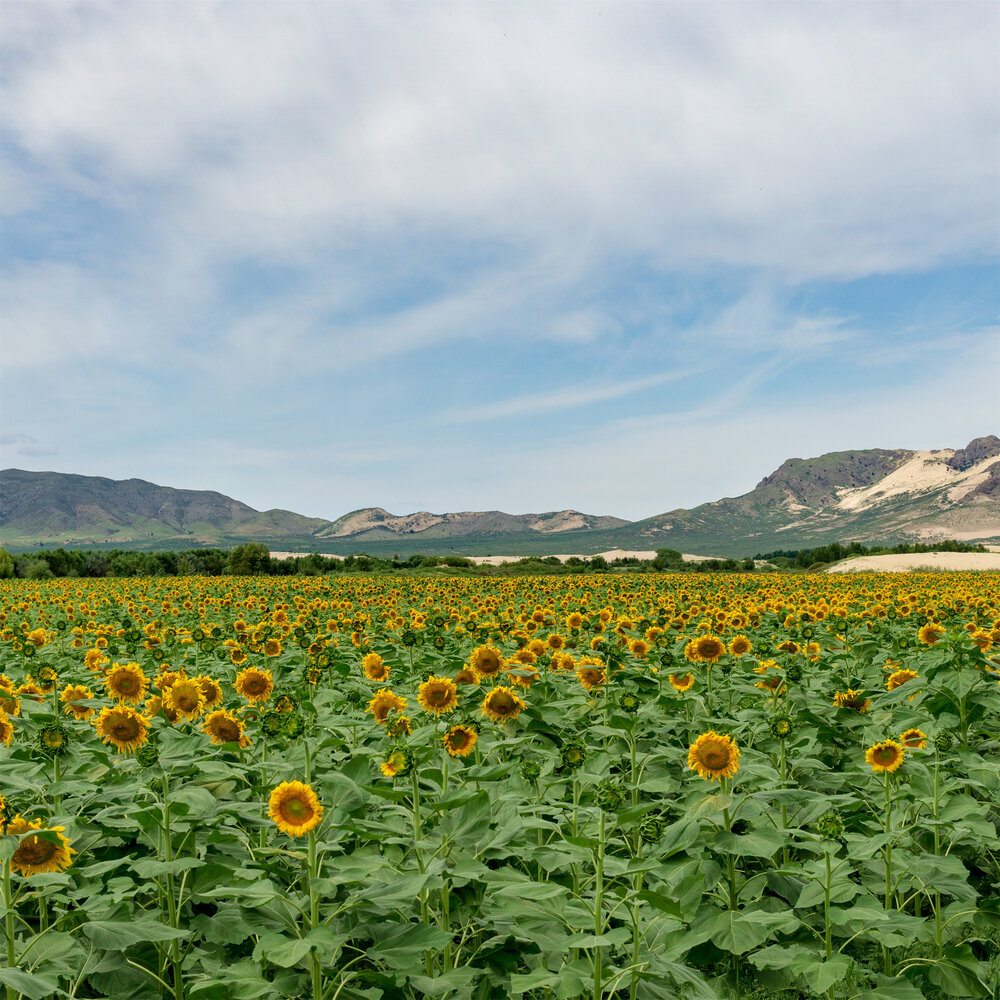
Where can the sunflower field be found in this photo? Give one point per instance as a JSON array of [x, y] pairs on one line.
[[550, 787]]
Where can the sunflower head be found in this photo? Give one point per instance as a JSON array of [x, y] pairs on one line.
[[398, 763], [53, 740], [294, 808], [781, 726], [913, 739], [126, 682], [375, 667], [223, 727], [852, 699], [438, 695], [186, 698], [502, 705], [573, 753], [6, 728], [41, 850], [486, 661], [682, 683], [460, 740], [885, 757], [384, 702], [714, 756], [255, 685], [899, 678], [73, 693], [123, 727]]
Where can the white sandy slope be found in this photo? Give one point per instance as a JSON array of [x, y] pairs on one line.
[[610, 555], [917, 561]]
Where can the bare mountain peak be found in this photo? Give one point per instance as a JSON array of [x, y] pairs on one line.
[[975, 452]]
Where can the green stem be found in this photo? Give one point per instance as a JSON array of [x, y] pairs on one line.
[[598, 910], [8, 905], [784, 807], [175, 947], [828, 940], [730, 860], [425, 910], [445, 894], [315, 969], [937, 850], [886, 954]]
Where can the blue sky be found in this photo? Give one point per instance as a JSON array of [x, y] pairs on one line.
[[620, 257]]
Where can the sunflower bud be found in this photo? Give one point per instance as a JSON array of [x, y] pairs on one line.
[[944, 742], [782, 727], [530, 769], [793, 671], [651, 829], [53, 740], [148, 755], [574, 753], [609, 795], [628, 702], [747, 701], [272, 725], [408, 638], [294, 725], [830, 825]]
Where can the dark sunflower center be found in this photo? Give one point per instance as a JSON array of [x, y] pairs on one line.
[[714, 757], [459, 739], [885, 755], [502, 703], [125, 730], [226, 731], [34, 851]]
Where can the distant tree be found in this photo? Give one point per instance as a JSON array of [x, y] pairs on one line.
[[598, 562], [667, 558], [95, 564], [251, 559], [6, 565]]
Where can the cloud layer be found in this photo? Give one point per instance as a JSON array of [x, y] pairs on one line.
[[362, 236]]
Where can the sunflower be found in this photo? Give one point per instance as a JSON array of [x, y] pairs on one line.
[[740, 645], [397, 726], [53, 740], [294, 808], [502, 705], [254, 685], [555, 642], [714, 756], [385, 702], [36, 855], [465, 676], [94, 658], [397, 763], [899, 678], [6, 728], [3, 812], [374, 667], [155, 706], [10, 702], [126, 682], [272, 647], [789, 646], [930, 633], [854, 700], [486, 661], [166, 677], [460, 740], [223, 727], [437, 695], [122, 726], [638, 648], [186, 698], [885, 757], [591, 673], [913, 739], [706, 649], [210, 689], [237, 656], [684, 683], [574, 620], [73, 693]]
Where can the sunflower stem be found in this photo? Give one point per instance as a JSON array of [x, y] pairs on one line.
[[784, 808], [828, 936], [445, 895], [8, 905], [886, 954], [598, 909], [937, 850], [315, 970], [175, 947]]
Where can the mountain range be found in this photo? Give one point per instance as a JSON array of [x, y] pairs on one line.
[[871, 496]]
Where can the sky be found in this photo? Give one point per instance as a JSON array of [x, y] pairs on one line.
[[618, 257]]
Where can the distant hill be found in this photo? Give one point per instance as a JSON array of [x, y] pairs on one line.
[[868, 496]]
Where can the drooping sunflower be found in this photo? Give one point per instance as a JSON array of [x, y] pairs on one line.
[[437, 695], [294, 808], [253, 684], [397, 763], [486, 661], [73, 693], [35, 855], [375, 668], [502, 705], [211, 689], [465, 676], [460, 740], [223, 727], [10, 702], [714, 756], [6, 728], [123, 727], [94, 659], [682, 684], [398, 726], [384, 702], [884, 757], [186, 698], [126, 682], [854, 700], [166, 677], [913, 739], [789, 646], [899, 678], [272, 647]]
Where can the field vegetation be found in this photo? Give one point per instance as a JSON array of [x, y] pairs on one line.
[[628, 785]]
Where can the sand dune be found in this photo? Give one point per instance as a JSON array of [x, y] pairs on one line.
[[915, 561]]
